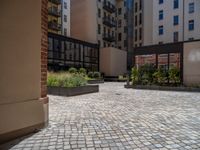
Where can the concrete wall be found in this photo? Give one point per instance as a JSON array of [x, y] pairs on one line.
[[191, 63], [84, 20], [113, 62], [66, 25], [21, 109]]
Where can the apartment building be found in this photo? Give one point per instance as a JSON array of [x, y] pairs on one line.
[[59, 17], [165, 21], [100, 21]]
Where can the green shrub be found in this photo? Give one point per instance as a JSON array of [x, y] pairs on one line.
[[91, 74], [65, 80], [160, 76], [134, 75], [82, 71], [97, 75], [72, 70], [174, 75]]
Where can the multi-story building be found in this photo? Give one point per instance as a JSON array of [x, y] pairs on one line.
[[166, 21], [102, 21], [59, 17]]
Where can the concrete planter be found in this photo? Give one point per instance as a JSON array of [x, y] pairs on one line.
[[62, 91], [163, 88], [99, 81]]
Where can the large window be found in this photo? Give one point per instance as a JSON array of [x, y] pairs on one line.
[[191, 8], [191, 25], [175, 36], [160, 1], [176, 20], [176, 4], [161, 30], [161, 15]]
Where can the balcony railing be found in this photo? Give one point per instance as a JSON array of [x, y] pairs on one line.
[[109, 37], [54, 11], [54, 26], [109, 7], [108, 22], [57, 2]]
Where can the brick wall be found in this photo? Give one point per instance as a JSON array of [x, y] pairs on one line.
[[44, 44]]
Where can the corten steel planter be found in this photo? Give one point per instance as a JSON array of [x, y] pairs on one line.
[[74, 91], [163, 88], [97, 81]]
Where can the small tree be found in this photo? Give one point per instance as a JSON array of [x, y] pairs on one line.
[[134, 75], [82, 71], [174, 75], [160, 76], [72, 70]]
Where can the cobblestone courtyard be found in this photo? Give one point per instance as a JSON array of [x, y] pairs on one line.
[[118, 118]]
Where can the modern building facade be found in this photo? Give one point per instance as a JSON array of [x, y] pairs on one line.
[[165, 21], [59, 17], [100, 21]]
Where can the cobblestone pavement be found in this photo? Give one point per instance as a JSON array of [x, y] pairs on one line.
[[118, 119]]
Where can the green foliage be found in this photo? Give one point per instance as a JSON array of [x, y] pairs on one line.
[[91, 74], [82, 71], [72, 70], [134, 75], [174, 75], [97, 75], [160, 76], [148, 74], [65, 80]]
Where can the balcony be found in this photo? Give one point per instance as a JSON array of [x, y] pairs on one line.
[[54, 11], [109, 7], [108, 22], [57, 2], [109, 37], [54, 26]]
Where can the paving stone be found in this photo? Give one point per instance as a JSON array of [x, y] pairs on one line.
[[119, 119]]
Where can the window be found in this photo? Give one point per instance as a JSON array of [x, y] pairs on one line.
[[175, 36], [136, 7], [65, 18], [191, 25], [176, 4], [161, 30], [191, 8], [136, 21], [119, 11], [119, 37], [65, 5], [99, 13], [160, 1], [136, 35], [140, 4], [140, 19], [176, 20], [161, 15], [99, 28], [65, 31], [140, 33], [120, 23]]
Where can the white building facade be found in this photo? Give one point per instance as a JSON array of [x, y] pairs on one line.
[[168, 21], [66, 17]]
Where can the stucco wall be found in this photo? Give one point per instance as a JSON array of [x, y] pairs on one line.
[[113, 62], [192, 63], [84, 20], [20, 63]]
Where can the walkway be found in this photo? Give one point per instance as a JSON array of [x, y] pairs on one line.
[[117, 118]]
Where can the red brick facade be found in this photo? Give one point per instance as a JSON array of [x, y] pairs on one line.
[[44, 44]]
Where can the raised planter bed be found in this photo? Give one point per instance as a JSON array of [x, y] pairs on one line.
[[74, 91], [163, 88], [98, 81]]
